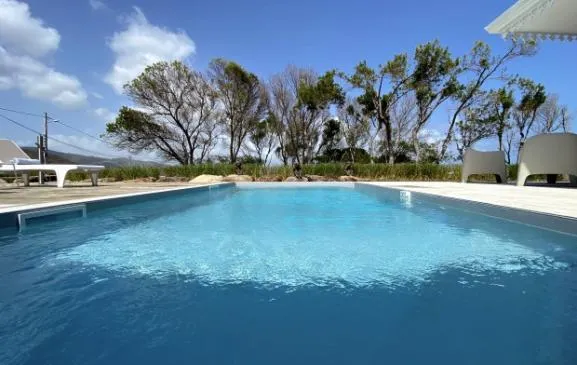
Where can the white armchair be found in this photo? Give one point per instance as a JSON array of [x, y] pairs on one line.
[[478, 162], [549, 154]]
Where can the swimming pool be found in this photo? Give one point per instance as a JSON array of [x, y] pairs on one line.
[[316, 275]]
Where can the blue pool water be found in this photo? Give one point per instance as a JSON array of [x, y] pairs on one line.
[[287, 276]]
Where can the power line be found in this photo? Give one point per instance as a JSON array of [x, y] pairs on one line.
[[77, 130], [53, 121], [21, 112], [56, 140], [81, 148], [20, 124]]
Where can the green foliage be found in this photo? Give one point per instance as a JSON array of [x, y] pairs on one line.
[[533, 96], [293, 113], [479, 121], [420, 172], [260, 131], [319, 95], [181, 109], [243, 100], [501, 102], [505, 98], [355, 155], [406, 153], [134, 130], [331, 134], [377, 171], [434, 77]]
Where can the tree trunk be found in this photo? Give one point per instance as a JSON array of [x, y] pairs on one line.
[[416, 146], [231, 149], [519, 151], [449, 137], [521, 144], [389, 137]]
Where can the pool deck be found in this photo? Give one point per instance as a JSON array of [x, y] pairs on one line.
[[548, 200], [561, 201], [13, 197]]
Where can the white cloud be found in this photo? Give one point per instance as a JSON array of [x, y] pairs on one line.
[[431, 136], [97, 5], [105, 114], [97, 95], [23, 41], [37, 81], [23, 33], [142, 44]]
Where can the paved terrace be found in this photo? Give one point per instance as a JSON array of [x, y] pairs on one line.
[[551, 200], [13, 196], [557, 200]]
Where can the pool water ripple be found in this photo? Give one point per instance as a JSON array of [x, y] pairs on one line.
[[289, 276]]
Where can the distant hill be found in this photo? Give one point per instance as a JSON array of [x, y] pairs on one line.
[[76, 159]]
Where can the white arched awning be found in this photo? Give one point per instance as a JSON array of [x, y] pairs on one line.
[[546, 19]]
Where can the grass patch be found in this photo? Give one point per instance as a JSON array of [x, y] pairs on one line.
[[409, 172], [377, 172]]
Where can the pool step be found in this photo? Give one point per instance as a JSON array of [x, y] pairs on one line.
[[406, 198], [24, 217]]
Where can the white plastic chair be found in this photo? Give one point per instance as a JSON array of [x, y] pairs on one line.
[[549, 154], [478, 162]]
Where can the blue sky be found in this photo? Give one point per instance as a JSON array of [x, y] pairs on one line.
[[83, 50]]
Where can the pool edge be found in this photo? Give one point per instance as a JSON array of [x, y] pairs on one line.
[[548, 221], [9, 215]]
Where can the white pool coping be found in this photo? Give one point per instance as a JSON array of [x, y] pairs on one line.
[[280, 185], [553, 201], [26, 207], [560, 202]]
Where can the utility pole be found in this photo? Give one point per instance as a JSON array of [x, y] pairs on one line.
[[43, 151], [45, 157], [40, 145]]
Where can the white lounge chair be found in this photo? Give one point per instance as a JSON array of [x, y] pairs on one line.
[[549, 154], [14, 160], [478, 162]]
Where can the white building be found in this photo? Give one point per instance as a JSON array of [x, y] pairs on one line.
[[541, 19]]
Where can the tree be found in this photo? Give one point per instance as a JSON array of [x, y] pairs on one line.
[[377, 100], [509, 145], [525, 113], [403, 117], [178, 108], [331, 135], [553, 117], [243, 100], [207, 140], [500, 102], [434, 80], [300, 102], [478, 121], [263, 139], [479, 67], [406, 152], [282, 90], [355, 127]]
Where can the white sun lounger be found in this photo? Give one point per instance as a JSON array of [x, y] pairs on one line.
[[549, 154], [13, 159], [478, 162]]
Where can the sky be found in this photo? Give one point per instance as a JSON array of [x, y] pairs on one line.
[[70, 58]]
